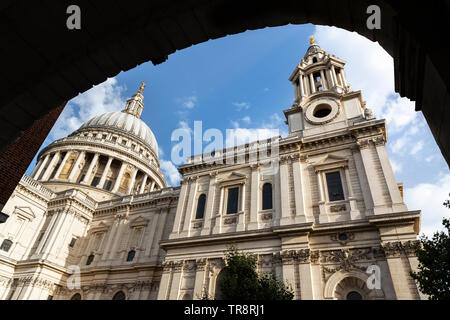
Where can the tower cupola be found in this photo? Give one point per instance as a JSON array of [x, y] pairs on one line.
[[318, 71]]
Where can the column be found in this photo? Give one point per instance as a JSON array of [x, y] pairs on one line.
[[240, 226], [105, 173], [153, 234], [323, 80], [302, 86], [111, 235], [41, 167], [143, 183], [372, 179], [354, 212], [179, 216], [152, 187], [298, 189], [88, 175], [296, 90], [311, 81], [284, 192], [61, 165], [394, 193], [75, 166], [119, 177], [323, 214], [119, 232], [344, 80], [190, 207], [330, 78], [254, 198], [36, 168], [209, 209], [46, 234], [133, 180], [51, 166], [333, 75]]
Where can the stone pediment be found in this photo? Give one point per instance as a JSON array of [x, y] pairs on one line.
[[330, 161], [139, 222], [25, 212], [102, 226], [233, 178]]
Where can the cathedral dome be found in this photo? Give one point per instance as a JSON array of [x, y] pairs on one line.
[[126, 123]]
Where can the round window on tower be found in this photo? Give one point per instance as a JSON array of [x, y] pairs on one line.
[[322, 110]]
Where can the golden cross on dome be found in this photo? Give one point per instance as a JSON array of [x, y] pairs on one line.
[[142, 87], [312, 40]]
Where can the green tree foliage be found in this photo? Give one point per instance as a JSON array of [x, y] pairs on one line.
[[433, 275], [239, 280]]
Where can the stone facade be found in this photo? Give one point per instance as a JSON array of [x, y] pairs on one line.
[[329, 212]]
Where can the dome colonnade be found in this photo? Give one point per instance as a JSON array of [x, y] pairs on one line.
[[116, 153]]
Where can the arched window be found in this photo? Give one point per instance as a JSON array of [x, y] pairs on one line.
[[90, 259], [267, 196], [131, 255], [201, 207], [353, 295], [314, 60], [76, 296], [119, 296], [6, 245]]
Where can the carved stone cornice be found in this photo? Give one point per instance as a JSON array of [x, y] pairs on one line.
[[201, 264], [189, 265], [397, 248], [295, 256]]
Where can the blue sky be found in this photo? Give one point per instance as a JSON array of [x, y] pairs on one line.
[[241, 82]]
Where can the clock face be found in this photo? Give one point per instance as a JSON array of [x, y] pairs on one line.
[[322, 111]]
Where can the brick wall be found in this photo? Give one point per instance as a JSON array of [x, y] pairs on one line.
[[16, 157]]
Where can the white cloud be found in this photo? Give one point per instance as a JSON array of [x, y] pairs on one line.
[[429, 198], [190, 102], [184, 125], [246, 119], [101, 98], [241, 105], [416, 148], [170, 171]]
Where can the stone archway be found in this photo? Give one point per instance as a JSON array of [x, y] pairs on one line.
[[46, 74], [342, 283]]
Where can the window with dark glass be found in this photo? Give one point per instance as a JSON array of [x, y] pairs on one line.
[[233, 198], [76, 296], [201, 207], [131, 255], [95, 181], [353, 295], [267, 196], [72, 242], [119, 296], [107, 185], [6, 245], [334, 183], [90, 259]]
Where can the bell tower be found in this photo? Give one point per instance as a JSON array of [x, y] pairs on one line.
[[323, 99]]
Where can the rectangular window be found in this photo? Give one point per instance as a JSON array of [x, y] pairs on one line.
[[6, 245], [107, 185], [334, 184], [95, 181], [233, 200], [72, 242]]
